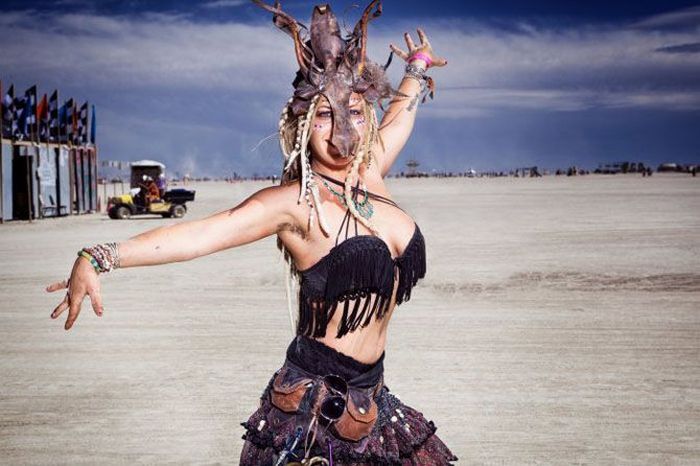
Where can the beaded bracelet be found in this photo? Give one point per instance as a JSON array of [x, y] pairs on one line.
[[103, 257], [426, 82], [416, 72], [90, 259]]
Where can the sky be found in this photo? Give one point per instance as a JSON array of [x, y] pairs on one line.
[[200, 85]]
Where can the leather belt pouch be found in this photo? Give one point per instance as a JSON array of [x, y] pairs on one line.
[[359, 416], [288, 388]]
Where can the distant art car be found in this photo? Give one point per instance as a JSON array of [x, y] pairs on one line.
[[173, 204], [148, 197]]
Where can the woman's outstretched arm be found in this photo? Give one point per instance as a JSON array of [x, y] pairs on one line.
[[255, 218], [397, 123]]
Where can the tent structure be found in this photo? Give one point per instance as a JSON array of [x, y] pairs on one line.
[[46, 180]]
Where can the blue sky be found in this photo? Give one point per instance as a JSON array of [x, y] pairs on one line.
[[200, 84]]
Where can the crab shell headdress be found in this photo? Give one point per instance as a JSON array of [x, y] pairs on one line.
[[334, 67]]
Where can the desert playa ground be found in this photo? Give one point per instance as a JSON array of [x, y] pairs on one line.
[[559, 323]]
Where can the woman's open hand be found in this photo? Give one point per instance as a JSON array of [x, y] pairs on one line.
[[83, 281], [424, 47]]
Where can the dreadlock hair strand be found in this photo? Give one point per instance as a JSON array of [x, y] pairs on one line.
[[362, 155]]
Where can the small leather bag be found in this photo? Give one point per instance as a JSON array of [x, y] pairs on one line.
[[288, 388], [360, 415]]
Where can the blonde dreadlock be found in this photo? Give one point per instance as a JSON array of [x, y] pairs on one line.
[[364, 154]]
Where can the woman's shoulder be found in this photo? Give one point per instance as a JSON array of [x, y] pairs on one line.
[[279, 192], [283, 198]]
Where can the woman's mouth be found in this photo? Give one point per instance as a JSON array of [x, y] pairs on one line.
[[332, 150]]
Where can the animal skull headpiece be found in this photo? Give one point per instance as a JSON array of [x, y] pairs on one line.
[[333, 66]]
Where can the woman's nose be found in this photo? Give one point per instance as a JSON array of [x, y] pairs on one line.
[[343, 145]]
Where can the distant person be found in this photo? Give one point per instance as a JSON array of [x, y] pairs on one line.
[[141, 197], [149, 191], [153, 193]]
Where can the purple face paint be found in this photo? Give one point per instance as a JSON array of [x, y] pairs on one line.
[[360, 121], [322, 121], [320, 126]]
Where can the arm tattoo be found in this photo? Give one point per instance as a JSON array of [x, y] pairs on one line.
[[413, 102]]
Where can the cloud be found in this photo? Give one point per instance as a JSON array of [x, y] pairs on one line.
[[557, 69], [208, 91], [524, 65], [225, 3], [151, 51], [479, 102], [681, 48], [687, 18]]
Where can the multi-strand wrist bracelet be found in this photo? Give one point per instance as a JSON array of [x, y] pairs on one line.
[[418, 73], [103, 257]]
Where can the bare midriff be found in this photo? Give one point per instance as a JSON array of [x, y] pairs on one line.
[[365, 344]]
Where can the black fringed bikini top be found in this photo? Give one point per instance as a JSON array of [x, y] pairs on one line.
[[359, 269]]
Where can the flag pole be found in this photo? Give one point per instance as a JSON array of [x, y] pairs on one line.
[[36, 143], [73, 167], [48, 157], [58, 142], [28, 164], [35, 149]]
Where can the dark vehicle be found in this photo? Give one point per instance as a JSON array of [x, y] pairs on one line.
[[179, 196]]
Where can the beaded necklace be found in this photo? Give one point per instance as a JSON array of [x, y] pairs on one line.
[[364, 208]]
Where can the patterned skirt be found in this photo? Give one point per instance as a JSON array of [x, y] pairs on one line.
[[400, 436]]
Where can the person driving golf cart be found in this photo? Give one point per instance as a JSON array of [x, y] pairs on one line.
[[148, 192]]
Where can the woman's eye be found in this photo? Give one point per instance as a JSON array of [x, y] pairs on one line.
[[326, 114]]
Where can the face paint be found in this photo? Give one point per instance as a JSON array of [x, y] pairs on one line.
[[321, 126], [359, 121], [358, 116], [322, 121]]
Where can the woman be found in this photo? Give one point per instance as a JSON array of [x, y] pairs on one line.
[[354, 252]]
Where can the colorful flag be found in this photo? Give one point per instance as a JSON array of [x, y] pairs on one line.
[[65, 118], [42, 117], [20, 129], [8, 113], [93, 125], [63, 121], [53, 117], [29, 113], [82, 124], [74, 123]]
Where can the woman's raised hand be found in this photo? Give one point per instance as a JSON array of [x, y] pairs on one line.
[[83, 281], [424, 47]]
